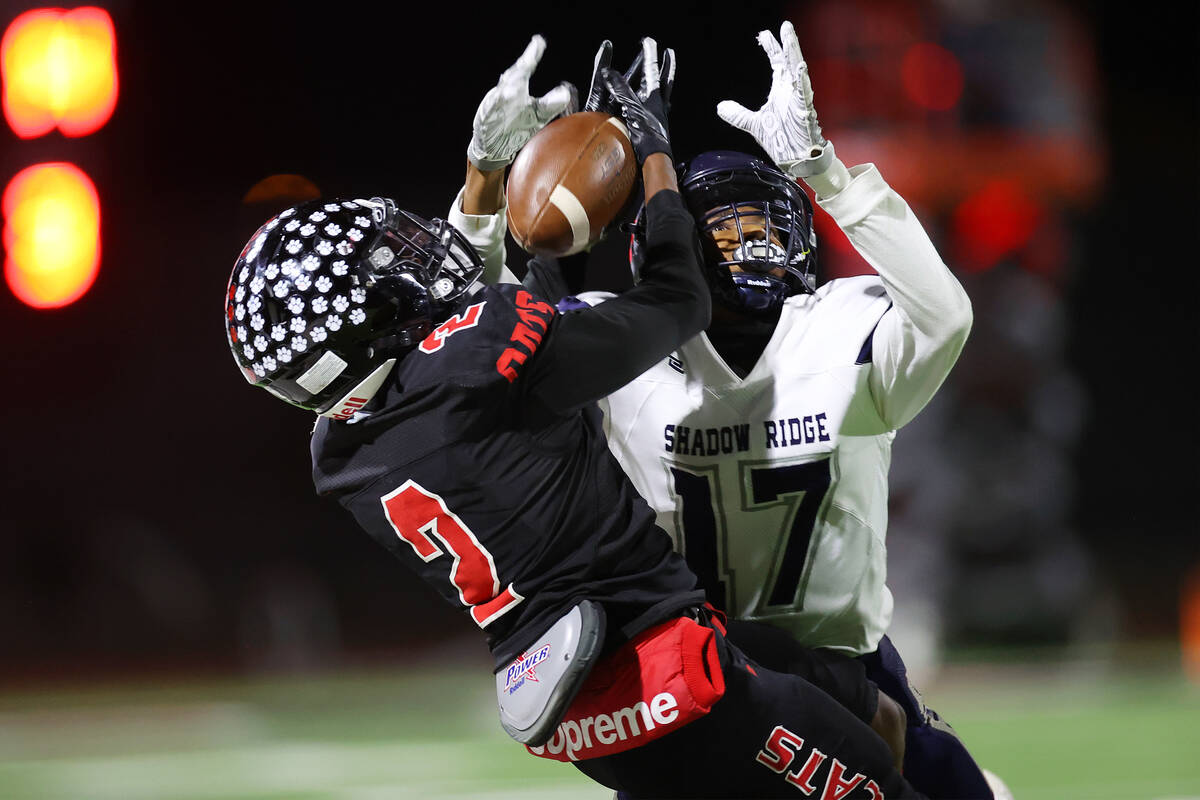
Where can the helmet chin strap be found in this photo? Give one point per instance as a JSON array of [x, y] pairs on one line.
[[360, 395]]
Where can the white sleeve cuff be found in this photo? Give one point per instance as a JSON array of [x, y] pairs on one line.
[[831, 181], [486, 234], [478, 225]]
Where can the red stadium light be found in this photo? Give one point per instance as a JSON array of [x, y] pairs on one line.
[[59, 68], [932, 76], [993, 223], [51, 234]]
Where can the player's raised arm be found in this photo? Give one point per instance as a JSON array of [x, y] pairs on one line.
[[507, 117], [598, 350], [919, 339]]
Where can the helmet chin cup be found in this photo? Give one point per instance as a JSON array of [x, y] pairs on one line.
[[758, 292]]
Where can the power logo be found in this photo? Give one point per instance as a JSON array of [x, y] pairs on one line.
[[526, 336], [524, 668], [783, 748], [467, 319]]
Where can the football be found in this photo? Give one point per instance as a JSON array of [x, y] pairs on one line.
[[568, 182]]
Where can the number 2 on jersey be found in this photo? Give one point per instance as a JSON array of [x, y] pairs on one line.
[[419, 516], [703, 532]]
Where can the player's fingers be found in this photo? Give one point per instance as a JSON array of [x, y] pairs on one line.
[[633, 74], [766, 40], [735, 114], [596, 88], [524, 66], [667, 74], [603, 58], [559, 100], [793, 59], [618, 87], [650, 79]]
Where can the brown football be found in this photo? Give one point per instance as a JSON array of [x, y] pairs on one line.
[[569, 182]]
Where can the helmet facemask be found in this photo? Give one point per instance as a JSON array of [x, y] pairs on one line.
[[756, 230], [755, 253], [426, 267]]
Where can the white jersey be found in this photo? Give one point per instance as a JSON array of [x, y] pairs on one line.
[[775, 486]]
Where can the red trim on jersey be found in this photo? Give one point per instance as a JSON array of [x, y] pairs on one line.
[[656, 683], [717, 618], [526, 336], [485, 613], [469, 318]]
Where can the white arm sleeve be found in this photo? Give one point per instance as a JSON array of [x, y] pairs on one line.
[[486, 233], [920, 337]]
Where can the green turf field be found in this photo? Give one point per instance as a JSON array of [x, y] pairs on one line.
[[1054, 731]]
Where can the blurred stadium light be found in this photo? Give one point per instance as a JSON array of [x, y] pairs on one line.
[[51, 234], [932, 76], [59, 69]]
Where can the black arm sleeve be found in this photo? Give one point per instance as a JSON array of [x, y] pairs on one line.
[[554, 278], [591, 353]]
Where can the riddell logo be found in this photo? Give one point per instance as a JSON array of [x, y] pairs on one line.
[[576, 735], [350, 407]]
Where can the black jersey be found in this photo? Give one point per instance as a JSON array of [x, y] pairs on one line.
[[512, 506]]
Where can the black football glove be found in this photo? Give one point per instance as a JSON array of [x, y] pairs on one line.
[[646, 120], [597, 99], [660, 77]]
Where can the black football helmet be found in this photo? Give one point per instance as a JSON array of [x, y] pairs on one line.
[[766, 222], [327, 295]]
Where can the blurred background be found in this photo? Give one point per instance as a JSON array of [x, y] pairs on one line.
[[180, 616]]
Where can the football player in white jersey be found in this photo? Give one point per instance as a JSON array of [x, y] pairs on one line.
[[764, 444]]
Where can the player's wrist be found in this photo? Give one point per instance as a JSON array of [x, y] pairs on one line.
[[818, 159], [830, 180], [483, 190], [658, 174], [481, 159]]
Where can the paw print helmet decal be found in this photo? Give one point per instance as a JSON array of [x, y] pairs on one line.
[[327, 295]]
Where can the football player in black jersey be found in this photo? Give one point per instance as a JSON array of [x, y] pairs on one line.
[[457, 423]]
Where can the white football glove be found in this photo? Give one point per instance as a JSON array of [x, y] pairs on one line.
[[786, 126], [508, 117]]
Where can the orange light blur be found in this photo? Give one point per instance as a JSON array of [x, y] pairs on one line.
[[1189, 624], [51, 234], [59, 69], [932, 76]]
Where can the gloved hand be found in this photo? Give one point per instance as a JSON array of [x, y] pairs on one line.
[[508, 117], [644, 111], [598, 98], [786, 126]]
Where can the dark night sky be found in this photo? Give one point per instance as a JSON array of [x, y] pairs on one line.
[[129, 432]]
